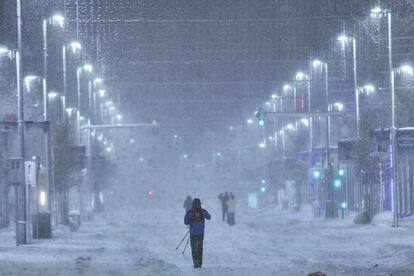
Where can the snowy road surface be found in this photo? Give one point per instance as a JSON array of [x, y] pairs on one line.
[[262, 243]]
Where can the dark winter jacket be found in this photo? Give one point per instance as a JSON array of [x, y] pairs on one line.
[[195, 217]]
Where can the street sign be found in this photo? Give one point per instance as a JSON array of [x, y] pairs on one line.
[[15, 171], [405, 145]]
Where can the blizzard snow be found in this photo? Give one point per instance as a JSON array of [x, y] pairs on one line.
[[142, 241]]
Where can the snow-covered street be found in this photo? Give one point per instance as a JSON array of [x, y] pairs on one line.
[[261, 243]]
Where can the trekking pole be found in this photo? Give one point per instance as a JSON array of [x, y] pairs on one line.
[[186, 244], [182, 240]]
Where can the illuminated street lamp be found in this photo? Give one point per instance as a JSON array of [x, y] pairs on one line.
[[344, 40]]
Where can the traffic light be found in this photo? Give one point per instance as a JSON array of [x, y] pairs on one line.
[[337, 183], [260, 115], [341, 172]]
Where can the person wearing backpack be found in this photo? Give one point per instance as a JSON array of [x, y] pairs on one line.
[[195, 218]]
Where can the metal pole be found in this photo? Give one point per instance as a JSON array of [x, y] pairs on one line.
[[22, 235], [46, 118], [328, 138], [393, 125], [78, 89], [356, 87], [310, 126]]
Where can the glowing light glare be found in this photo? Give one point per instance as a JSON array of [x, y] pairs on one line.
[[407, 69], [132, 141], [376, 10], [344, 205], [231, 128], [98, 80], [339, 106], [263, 181], [109, 149], [316, 174], [274, 96], [305, 121], [82, 118], [185, 156], [119, 117], [286, 87], [100, 137], [88, 68], [102, 93], [75, 46], [52, 95], [150, 193], [249, 121], [59, 19], [141, 160], [4, 50], [316, 63], [343, 38], [290, 127], [261, 122], [218, 153], [300, 76], [263, 189], [112, 108], [109, 103], [262, 145], [70, 111], [341, 172], [42, 198], [175, 136], [337, 183], [369, 88], [28, 80], [267, 103]]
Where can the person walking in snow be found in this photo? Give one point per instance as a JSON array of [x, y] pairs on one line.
[[224, 197], [231, 209], [188, 203], [195, 218]]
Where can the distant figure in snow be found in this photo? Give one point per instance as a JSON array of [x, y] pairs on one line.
[[195, 217], [231, 209], [188, 203], [224, 197]]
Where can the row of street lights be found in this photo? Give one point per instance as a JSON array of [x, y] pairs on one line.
[[22, 233]]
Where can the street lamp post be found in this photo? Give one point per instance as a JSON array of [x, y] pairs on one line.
[[379, 12], [86, 68], [344, 39]]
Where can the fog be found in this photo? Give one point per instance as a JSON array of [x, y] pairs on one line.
[[175, 137]]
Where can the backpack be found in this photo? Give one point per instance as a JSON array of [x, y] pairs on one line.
[[197, 215]]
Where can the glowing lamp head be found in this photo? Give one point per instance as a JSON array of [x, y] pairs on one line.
[[343, 39], [300, 76], [75, 46], [42, 198], [344, 205], [316, 174], [341, 172], [4, 51], [339, 106], [406, 69], [88, 68], [263, 189], [102, 93], [286, 87], [274, 96], [52, 95], [376, 11], [250, 121], [59, 20], [316, 63]]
